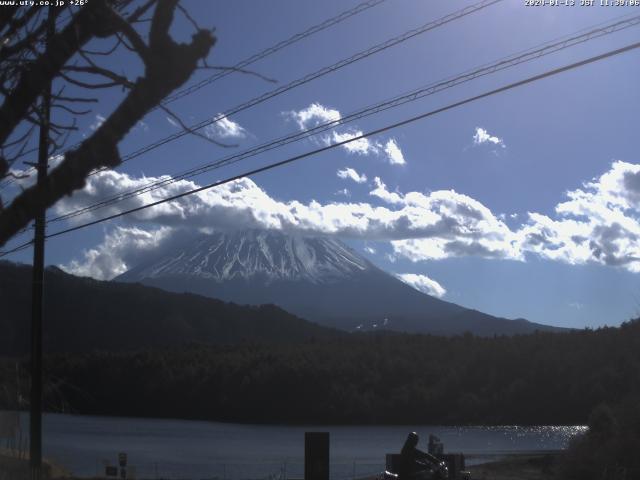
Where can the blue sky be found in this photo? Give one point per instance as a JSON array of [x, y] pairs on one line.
[[520, 176]]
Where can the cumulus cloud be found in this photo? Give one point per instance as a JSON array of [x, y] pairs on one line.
[[243, 204], [599, 223], [351, 174], [119, 248], [314, 115], [482, 136], [423, 284], [317, 114], [365, 146], [362, 146], [224, 127], [382, 193], [458, 226], [394, 154], [446, 218]]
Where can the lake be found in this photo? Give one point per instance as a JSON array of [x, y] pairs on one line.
[[197, 449]]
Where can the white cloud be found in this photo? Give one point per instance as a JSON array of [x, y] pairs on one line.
[[394, 154], [423, 284], [370, 250], [344, 192], [99, 120], [382, 193], [27, 177], [362, 146], [315, 114], [458, 224], [224, 127], [114, 255], [351, 174], [482, 136], [599, 223]]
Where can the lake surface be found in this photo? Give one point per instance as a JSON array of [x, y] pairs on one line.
[[207, 450]]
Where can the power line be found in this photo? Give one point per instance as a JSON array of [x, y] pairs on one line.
[[315, 75], [312, 76], [378, 131], [342, 16], [20, 247], [507, 62], [275, 48]]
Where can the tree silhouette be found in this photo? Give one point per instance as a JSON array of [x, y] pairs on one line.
[[28, 62]]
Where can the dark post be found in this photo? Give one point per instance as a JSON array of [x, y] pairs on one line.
[[316, 456], [35, 414]]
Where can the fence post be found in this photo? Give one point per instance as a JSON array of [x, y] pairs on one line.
[[316, 456]]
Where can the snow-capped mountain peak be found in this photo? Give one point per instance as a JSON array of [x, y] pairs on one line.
[[317, 278], [269, 255]]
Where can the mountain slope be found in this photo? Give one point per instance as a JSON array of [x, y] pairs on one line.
[[82, 314], [317, 278]]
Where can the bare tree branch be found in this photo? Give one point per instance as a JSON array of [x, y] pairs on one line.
[[168, 65], [105, 53], [74, 99], [87, 23], [186, 128], [70, 110], [118, 79], [135, 16], [189, 17]]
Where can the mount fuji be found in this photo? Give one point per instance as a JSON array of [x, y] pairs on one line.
[[317, 278]]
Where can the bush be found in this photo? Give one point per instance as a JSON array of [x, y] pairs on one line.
[[609, 449]]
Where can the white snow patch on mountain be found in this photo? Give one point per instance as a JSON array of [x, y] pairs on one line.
[[227, 255]]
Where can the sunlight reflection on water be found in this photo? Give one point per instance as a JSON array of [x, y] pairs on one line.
[[197, 449]]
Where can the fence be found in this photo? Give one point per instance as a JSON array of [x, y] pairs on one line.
[[284, 470]]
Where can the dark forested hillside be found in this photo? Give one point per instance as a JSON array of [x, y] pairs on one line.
[[542, 378], [82, 314]]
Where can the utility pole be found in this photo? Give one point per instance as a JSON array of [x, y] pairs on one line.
[[35, 413]]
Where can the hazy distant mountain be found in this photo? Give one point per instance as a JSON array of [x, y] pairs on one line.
[[318, 278], [82, 314]]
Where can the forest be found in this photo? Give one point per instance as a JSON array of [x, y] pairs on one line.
[[541, 378], [83, 314]]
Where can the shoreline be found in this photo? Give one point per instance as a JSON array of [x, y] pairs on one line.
[[196, 448], [518, 466], [510, 466], [302, 424]]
